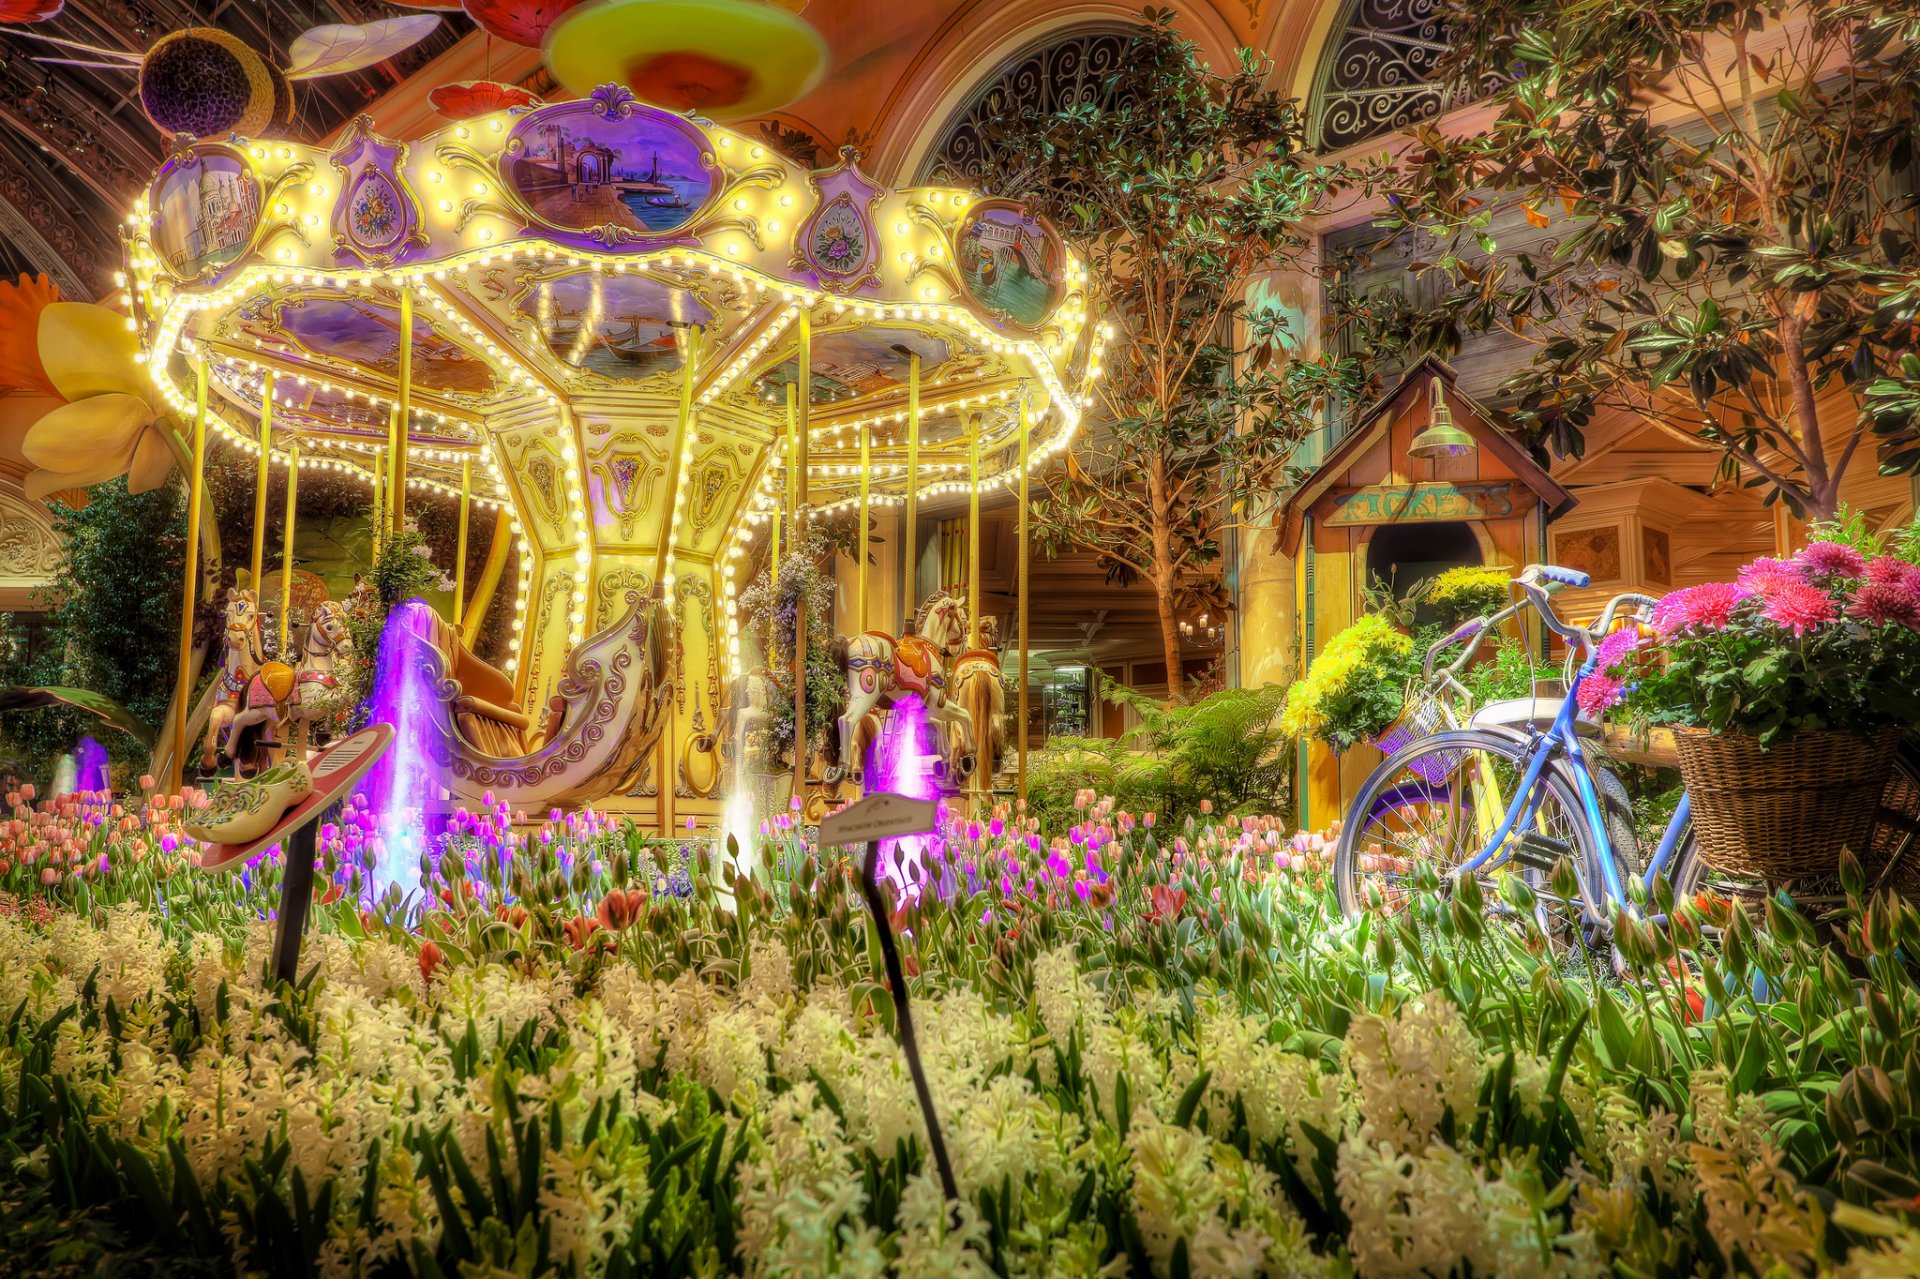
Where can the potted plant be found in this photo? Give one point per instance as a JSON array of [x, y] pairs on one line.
[[1356, 687], [1786, 691]]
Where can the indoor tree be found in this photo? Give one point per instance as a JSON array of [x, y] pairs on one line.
[[1728, 189], [1180, 186]]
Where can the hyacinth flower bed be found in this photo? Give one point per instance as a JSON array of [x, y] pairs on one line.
[[1155, 1048]]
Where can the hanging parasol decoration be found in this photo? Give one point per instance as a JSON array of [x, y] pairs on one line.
[[466, 99], [20, 11], [522, 22], [210, 83], [725, 59]]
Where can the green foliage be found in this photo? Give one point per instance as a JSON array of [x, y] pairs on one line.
[[772, 611], [1729, 234], [112, 625], [1067, 766], [1226, 749], [1507, 671], [1178, 192]]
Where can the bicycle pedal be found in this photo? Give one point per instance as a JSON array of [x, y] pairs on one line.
[[1537, 852]]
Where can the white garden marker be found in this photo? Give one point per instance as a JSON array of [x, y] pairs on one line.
[[879, 816]]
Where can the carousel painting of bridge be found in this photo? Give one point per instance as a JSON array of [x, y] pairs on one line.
[[580, 167]]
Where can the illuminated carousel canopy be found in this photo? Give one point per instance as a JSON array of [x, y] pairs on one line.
[[596, 309]]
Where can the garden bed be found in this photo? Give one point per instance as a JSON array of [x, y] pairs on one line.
[[1155, 1051]]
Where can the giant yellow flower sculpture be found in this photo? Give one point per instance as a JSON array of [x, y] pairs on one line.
[[73, 394]]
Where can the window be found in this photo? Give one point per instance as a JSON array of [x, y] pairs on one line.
[[1063, 72], [1377, 72]]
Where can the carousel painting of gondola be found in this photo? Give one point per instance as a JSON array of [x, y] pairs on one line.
[[1010, 262], [622, 327], [647, 173]]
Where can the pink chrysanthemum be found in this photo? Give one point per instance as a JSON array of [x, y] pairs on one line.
[[1831, 559], [1886, 604], [1708, 606], [1614, 649], [1891, 570], [1798, 607], [1597, 693]]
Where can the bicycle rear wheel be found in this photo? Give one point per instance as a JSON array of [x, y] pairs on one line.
[[1438, 802]]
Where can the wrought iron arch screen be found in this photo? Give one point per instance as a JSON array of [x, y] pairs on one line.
[[1062, 72], [1378, 72]]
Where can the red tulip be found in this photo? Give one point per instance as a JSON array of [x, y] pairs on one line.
[[431, 958]]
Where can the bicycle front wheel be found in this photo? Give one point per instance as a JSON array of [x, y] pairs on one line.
[[1441, 801]]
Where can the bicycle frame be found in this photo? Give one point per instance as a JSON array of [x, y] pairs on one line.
[[1562, 736]]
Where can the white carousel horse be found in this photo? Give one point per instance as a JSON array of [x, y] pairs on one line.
[[316, 693], [286, 706], [976, 685], [878, 667], [242, 656]]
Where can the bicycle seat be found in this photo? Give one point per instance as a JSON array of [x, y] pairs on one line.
[[1539, 712]]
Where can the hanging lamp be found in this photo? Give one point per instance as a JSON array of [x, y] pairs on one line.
[[1442, 438]]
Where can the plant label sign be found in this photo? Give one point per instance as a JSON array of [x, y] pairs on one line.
[[881, 816]]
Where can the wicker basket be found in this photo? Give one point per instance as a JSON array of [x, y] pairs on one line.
[[1784, 813], [1423, 717]]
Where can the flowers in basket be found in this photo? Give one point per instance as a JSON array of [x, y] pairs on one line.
[[1356, 686], [1827, 639]]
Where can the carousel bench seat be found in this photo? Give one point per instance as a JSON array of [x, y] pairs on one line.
[[594, 736], [483, 708]]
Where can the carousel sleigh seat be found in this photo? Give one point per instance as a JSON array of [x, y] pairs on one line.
[[600, 726]]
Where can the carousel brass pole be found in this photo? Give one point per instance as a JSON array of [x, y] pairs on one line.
[[381, 518], [460, 541], [910, 547], [497, 552], [261, 475], [286, 545], [676, 464], [973, 536], [402, 414], [196, 494], [802, 402], [860, 538], [1026, 455]]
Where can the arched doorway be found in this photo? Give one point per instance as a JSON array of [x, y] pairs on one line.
[[1405, 556]]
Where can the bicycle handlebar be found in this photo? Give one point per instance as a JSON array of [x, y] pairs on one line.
[[1538, 582], [1533, 580]]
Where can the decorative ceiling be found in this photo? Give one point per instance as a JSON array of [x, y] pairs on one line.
[[76, 150]]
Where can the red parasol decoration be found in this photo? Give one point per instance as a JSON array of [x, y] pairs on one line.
[[469, 98], [517, 21], [29, 10]]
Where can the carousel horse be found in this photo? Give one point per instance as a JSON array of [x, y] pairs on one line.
[[746, 710], [316, 693], [279, 707], [976, 685], [878, 668], [242, 656]]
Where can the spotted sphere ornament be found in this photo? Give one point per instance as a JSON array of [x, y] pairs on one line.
[[208, 83]]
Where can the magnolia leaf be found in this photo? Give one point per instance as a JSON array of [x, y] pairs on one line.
[[338, 49], [21, 698]]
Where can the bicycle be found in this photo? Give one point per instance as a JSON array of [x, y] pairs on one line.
[[1429, 808]]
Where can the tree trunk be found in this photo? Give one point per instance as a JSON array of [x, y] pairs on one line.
[[1169, 637], [1163, 575]]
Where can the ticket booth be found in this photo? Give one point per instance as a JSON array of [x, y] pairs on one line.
[[1426, 480]]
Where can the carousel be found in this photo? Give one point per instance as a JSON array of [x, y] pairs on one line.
[[655, 349]]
